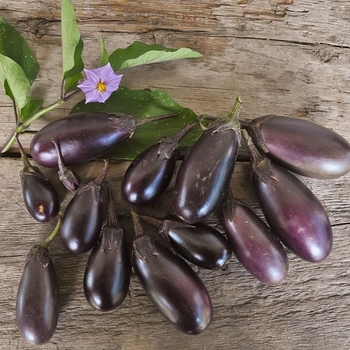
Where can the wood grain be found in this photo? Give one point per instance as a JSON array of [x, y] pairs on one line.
[[281, 58]]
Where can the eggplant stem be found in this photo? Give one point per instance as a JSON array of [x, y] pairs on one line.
[[53, 234], [151, 220], [100, 178], [136, 221], [142, 121], [25, 160]]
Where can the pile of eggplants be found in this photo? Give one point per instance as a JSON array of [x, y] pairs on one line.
[[293, 217]]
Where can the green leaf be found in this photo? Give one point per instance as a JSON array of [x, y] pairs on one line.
[[14, 46], [15, 81], [140, 53], [72, 45], [71, 83], [31, 108], [144, 104], [104, 53]]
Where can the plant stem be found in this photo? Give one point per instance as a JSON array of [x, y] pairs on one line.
[[20, 128], [53, 234]]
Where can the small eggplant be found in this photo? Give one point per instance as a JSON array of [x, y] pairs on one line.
[[37, 305], [107, 273], [40, 197], [171, 284], [301, 146], [83, 218], [292, 211], [150, 173], [253, 244], [200, 244], [205, 173], [84, 136]]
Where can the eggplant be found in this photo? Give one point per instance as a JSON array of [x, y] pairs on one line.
[[292, 211], [205, 173], [301, 146], [253, 243], [40, 196], [83, 136], [83, 218], [107, 273], [199, 244], [150, 173], [171, 284], [37, 305]]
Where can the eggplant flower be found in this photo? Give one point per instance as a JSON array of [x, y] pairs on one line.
[[99, 83]]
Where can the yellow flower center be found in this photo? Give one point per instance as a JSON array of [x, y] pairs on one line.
[[101, 86]]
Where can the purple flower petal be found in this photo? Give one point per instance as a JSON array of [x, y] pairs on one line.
[[100, 83]]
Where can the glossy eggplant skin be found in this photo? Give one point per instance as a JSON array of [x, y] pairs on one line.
[[301, 146], [82, 220], [148, 176], [253, 244], [40, 197], [204, 175], [175, 289], [81, 137], [200, 244], [37, 305], [294, 214], [107, 274]]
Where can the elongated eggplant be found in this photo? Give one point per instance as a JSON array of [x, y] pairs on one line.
[[200, 244], [83, 136], [253, 244], [107, 273], [83, 218], [171, 284], [40, 197], [292, 211], [304, 147], [205, 173], [150, 173], [37, 305]]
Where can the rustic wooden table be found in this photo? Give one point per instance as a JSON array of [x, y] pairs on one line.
[[281, 58]]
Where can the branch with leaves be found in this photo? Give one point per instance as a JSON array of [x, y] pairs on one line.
[[19, 68]]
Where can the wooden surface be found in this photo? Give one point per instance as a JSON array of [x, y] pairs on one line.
[[281, 58]]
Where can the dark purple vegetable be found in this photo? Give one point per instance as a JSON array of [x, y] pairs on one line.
[[150, 173], [304, 147], [174, 288], [107, 273], [37, 305], [200, 244], [40, 197], [84, 136], [83, 217], [293, 212], [254, 245], [206, 172]]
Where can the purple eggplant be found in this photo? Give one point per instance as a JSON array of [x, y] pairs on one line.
[[150, 173], [83, 218], [37, 305], [301, 146], [253, 244], [83, 136], [200, 244], [205, 173], [107, 273], [40, 197], [171, 284], [292, 211]]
